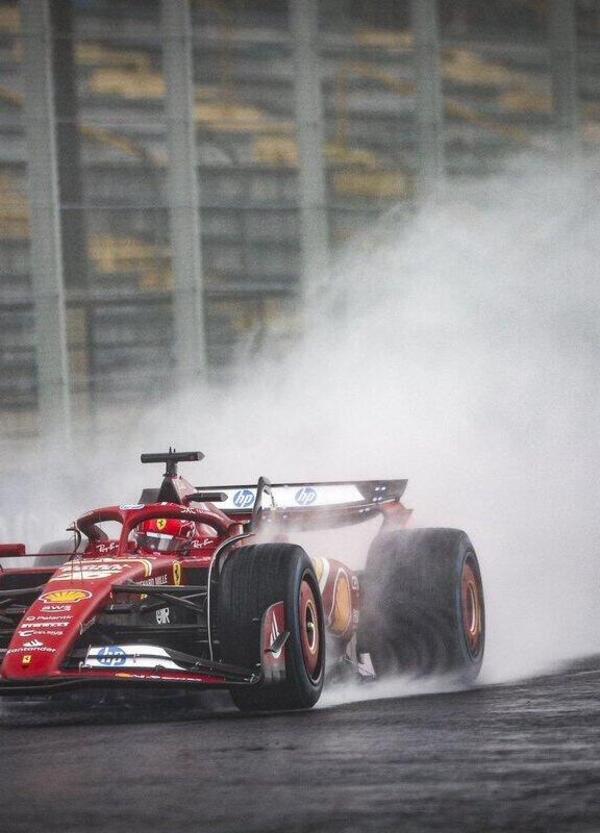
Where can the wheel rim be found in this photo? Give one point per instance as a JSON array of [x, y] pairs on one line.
[[472, 607], [310, 631]]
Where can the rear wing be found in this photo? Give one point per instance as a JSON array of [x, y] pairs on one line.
[[316, 505]]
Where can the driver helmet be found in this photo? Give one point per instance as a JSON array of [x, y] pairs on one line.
[[165, 534]]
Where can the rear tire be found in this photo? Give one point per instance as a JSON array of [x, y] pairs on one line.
[[423, 607], [254, 578]]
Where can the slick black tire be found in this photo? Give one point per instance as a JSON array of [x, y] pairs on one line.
[[423, 607], [254, 578]]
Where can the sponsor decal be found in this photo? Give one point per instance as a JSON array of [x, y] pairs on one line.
[[161, 524], [56, 608], [154, 580], [121, 657], [151, 582], [111, 656], [322, 568], [26, 660], [340, 617], [326, 494], [305, 496], [43, 622], [273, 625], [127, 506], [274, 634], [98, 568], [27, 647], [130, 562], [163, 616], [41, 632], [112, 546], [87, 572], [176, 573], [66, 596], [243, 498], [33, 643]]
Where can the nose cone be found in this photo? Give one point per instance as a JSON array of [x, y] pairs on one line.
[[50, 628]]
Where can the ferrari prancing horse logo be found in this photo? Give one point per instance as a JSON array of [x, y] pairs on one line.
[[161, 524], [176, 573]]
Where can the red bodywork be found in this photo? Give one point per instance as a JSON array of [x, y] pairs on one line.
[[47, 647]]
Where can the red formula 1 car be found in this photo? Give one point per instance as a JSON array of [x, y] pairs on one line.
[[204, 588]]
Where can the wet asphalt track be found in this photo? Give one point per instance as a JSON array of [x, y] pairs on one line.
[[522, 757]]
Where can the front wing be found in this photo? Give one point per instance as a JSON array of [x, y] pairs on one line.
[[154, 666]]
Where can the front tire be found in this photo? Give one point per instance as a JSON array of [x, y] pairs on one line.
[[252, 579], [423, 604]]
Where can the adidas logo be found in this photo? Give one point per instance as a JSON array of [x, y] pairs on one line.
[[33, 643]]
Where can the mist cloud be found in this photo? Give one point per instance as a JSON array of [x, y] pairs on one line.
[[460, 350]]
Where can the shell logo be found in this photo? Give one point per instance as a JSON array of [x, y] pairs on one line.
[[65, 596], [341, 614], [322, 568], [161, 524]]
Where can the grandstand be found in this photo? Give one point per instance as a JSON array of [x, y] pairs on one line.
[[496, 75]]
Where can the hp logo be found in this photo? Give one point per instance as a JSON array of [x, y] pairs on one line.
[[111, 655], [305, 496], [243, 499]]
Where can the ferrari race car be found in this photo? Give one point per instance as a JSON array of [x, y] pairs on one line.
[[204, 588]]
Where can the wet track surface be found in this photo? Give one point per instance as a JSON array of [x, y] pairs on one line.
[[514, 757]]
